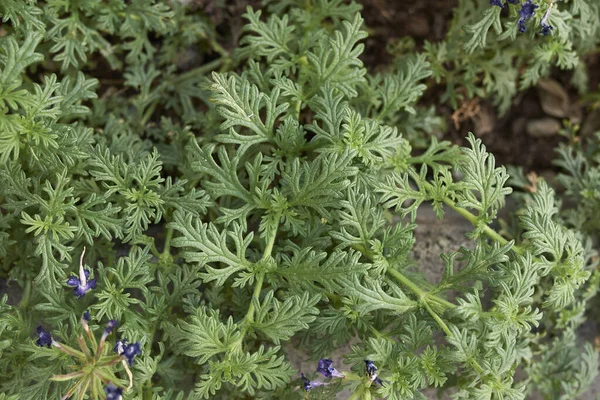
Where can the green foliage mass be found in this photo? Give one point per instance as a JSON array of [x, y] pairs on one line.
[[264, 198]]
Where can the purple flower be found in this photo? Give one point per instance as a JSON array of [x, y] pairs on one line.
[[44, 338], [546, 29], [527, 11], [131, 351], [310, 384], [110, 326], [82, 285], [325, 367], [86, 316], [372, 372], [113, 392], [496, 3], [514, 1]]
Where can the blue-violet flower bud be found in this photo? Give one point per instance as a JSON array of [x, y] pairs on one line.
[[86, 316], [527, 11], [113, 392], [546, 29], [496, 3], [44, 338], [308, 384], [372, 371], [325, 367], [514, 1], [131, 351], [110, 326]]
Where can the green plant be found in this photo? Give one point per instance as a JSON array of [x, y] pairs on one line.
[[228, 215]]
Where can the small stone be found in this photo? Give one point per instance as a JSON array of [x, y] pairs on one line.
[[591, 124], [543, 127], [553, 98]]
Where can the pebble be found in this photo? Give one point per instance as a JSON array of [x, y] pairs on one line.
[[543, 127]]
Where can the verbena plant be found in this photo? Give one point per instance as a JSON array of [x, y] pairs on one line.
[[174, 231]]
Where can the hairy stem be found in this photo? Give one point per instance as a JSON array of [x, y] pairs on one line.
[[167, 247], [26, 294], [249, 317], [492, 234], [437, 318]]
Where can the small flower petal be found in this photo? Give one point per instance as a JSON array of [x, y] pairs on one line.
[[496, 3], [86, 315], [73, 281], [120, 346]]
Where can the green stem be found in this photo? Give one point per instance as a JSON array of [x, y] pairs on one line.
[[440, 301], [70, 351], [154, 250], [26, 295], [445, 328], [379, 335], [218, 48], [200, 71], [355, 396], [249, 317], [167, 247], [421, 294], [269, 247], [437, 319], [492, 234]]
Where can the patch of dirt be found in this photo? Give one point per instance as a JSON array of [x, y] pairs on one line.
[[505, 136]]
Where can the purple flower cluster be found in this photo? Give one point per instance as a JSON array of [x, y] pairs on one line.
[[526, 13], [125, 352], [325, 367]]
